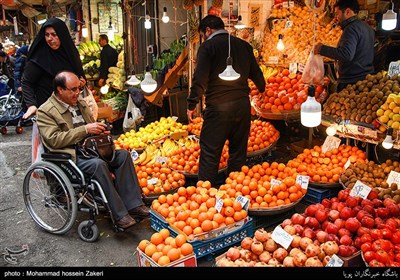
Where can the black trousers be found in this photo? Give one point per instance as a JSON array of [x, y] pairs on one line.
[[123, 195], [227, 121]]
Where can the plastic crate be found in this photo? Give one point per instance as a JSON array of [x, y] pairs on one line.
[[316, 195], [271, 220], [156, 221]]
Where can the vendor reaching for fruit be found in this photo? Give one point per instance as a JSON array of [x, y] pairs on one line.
[[227, 113], [108, 58]]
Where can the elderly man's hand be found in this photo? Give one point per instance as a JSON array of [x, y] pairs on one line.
[[96, 128]]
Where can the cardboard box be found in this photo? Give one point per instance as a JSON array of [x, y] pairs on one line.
[[146, 261], [108, 112]]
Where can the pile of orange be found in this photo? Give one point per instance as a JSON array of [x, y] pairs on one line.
[[326, 167], [192, 210], [254, 183], [186, 159], [164, 249], [262, 135], [195, 126], [167, 179]]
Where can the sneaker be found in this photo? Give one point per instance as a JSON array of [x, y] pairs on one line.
[[139, 213], [126, 222]]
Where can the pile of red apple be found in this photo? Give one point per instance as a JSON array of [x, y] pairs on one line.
[[350, 222]]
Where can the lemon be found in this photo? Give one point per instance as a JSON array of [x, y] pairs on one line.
[[384, 119], [395, 125], [379, 112]]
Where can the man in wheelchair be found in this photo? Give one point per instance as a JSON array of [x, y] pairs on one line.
[[63, 121]]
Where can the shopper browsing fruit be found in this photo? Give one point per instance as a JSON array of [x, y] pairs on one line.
[[108, 58], [227, 113], [355, 50]]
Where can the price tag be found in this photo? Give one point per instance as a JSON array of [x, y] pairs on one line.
[[280, 236], [218, 204], [335, 261], [244, 201], [360, 189], [301, 67], [394, 68], [152, 181], [175, 118], [293, 67], [161, 160], [134, 155], [273, 60], [291, 4], [347, 164], [331, 142], [288, 24], [275, 182], [394, 177], [302, 180], [285, 4]]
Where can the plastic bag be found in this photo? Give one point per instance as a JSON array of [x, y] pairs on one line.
[[87, 95], [37, 145], [314, 70], [132, 117]]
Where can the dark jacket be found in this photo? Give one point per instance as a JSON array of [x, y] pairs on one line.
[[355, 51], [108, 58], [211, 61], [20, 59]]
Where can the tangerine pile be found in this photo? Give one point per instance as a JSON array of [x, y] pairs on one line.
[[262, 135], [164, 249], [195, 126], [167, 179], [186, 159], [192, 210], [326, 167], [254, 183]]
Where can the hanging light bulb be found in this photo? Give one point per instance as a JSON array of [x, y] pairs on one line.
[[229, 74], [280, 46], [388, 142], [133, 80], [147, 22], [310, 110], [240, 24], [85, 31], [148, 84], [331, 130], [110, 33], [389, 19], [104, 89], [165, 17]]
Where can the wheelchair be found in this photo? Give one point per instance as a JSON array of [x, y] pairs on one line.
[[55, 189]]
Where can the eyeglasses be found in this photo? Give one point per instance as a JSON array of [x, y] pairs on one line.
[[74, 89]]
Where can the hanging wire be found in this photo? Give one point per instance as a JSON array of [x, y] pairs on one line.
[[229, 33]]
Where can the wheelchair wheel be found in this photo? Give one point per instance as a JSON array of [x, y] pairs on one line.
[[87, 232], [49, 197]]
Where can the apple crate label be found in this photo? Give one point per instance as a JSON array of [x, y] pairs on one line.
[[280, 236], [275, 182], [244, 201], [293, 67], [134, 155], [394, 177], [360, 189], [218, 204], [347, 164], [161, 160], [394, 68], [152, 181], [335, 261], [331, 142], [288, 24], [302, 180], [273, 60]]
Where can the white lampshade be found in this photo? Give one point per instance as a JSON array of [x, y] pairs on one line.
[[148, 84], [165, 17], [229, 74], [104, 89], [147, 22], [85, 32], [310, 110], [280, 46], [389, 20], [331, 130], [388, 142], [240, 24], [133, 81], [110, 33]]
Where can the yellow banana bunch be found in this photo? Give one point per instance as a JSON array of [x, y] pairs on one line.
[[141, 158]]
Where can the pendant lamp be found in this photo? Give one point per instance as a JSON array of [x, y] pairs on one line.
[[310, 110], [389, 19], [148, 85], [388, 142], [165, 17], [133, 80]]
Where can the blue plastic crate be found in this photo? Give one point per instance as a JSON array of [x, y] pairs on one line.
[[316, 195], [157, 222], [207, 248]]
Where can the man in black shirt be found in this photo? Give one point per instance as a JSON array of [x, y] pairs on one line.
[[108, 58]]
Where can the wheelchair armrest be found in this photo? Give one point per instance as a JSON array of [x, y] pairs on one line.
[[56, 156]]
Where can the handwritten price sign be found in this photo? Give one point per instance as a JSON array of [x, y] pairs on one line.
[[302, 180], [394, 68], [218, 204], [331, 142], [152, 181], [394, 177], [335, 261], [244, 201], [280, 236], [275, 182], [360, 189]]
